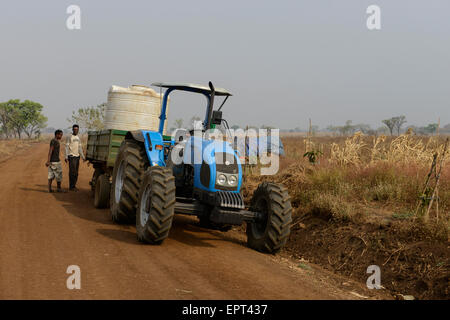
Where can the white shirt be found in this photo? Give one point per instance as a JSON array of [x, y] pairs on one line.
[[74, 147]]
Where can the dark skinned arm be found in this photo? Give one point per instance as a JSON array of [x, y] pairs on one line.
[[49, 155]]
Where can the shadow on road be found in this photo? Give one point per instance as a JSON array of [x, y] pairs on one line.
[[35, 189], [119, 235], [184, 229]]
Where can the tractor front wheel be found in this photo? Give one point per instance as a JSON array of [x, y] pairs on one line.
[[271, 231], [156, 205]]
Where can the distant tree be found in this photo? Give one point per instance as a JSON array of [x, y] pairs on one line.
[[314, 129], [331, 128], [7, 110], [32, 118], [446, 128], [364, 128], [399, 122], [395, 123], [89, 118], [35, 125], [431, 128], [18, 117], [390, 124], [347, 129], [235, 127], [382, 130]]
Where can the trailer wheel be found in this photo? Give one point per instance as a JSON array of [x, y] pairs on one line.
[[129, 168], [102, 191], [271, 232], [156, 205], [95, 175]]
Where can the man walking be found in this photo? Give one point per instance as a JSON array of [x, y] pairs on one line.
[[53, 162], [74, 151]]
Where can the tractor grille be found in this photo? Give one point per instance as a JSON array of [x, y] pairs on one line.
[[230, 200]]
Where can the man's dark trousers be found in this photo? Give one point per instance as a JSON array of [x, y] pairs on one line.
[[74, 164]]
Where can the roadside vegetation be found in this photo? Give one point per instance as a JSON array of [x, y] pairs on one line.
[[19, 119], [363, 200], [8, 148], [89, 118], [21, 125]]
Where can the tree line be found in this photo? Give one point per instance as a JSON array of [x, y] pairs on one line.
[[392, 126], [21, 117], [92, 118]]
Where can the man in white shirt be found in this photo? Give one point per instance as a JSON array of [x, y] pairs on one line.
[[74, 151]]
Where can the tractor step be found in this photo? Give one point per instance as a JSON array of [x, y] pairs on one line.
[[218, 215], [235, 217], [189, 208]]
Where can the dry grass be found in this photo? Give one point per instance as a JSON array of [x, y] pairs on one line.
[[360, 174], [356, 206], [8, 148]]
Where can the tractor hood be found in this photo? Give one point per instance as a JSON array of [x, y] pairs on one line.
[[211, 159]]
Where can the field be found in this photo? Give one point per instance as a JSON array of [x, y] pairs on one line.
[[362, 201], [8, 148]]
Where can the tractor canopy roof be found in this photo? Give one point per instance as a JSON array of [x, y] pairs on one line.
[[192, 88]]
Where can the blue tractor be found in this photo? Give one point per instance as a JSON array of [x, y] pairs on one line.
[[149, 187]]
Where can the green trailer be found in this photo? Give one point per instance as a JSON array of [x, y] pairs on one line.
[[102, 149]]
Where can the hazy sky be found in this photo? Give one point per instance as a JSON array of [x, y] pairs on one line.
[[284, 61]]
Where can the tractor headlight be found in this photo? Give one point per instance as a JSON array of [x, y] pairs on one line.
[[221, 179], [232, 180]]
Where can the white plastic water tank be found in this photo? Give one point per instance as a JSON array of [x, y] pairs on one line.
[[133, 108]]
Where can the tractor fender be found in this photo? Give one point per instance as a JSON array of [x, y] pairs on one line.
[[149, 139], [135, 135]]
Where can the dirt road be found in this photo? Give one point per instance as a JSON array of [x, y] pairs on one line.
[[41, 234]]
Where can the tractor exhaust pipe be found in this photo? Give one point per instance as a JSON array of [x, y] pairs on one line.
[[211, 105]]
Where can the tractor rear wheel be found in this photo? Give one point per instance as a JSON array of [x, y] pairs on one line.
[[102, 191], [156, 205], [129, 169], [271, 232]]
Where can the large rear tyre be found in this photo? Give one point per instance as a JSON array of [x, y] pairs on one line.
[[102, 191], [129, 169], [156, 205], [271, 232]]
